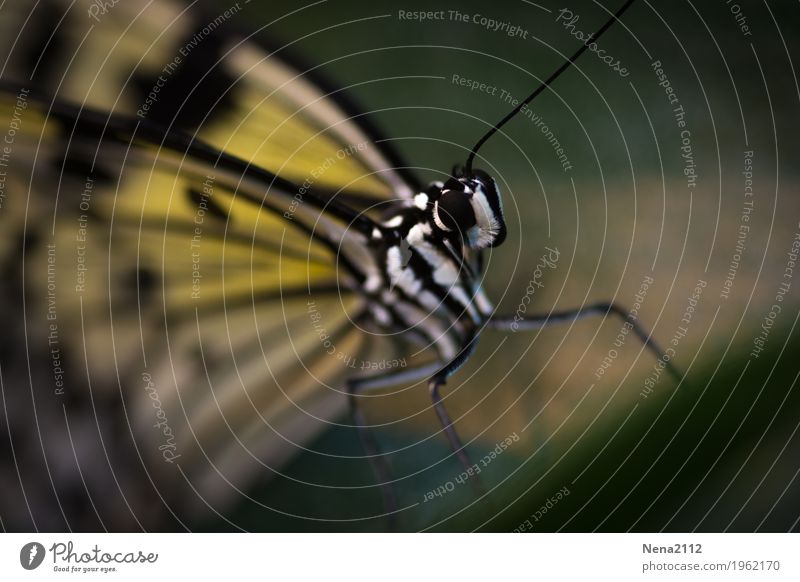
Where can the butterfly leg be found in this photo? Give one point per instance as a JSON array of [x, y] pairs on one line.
[[514, 323], [434, 386], [380, 467], [450, 432]]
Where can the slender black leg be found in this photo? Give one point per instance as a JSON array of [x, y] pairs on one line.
[[380, 467], [436, 382], [438, 377], [452, 435], [447, 424], [512, 323]]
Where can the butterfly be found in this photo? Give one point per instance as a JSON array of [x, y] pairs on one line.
[[215, 245]]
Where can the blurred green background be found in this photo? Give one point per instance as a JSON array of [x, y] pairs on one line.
[[718, 452]]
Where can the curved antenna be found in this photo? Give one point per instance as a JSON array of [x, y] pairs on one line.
[[593, 38]]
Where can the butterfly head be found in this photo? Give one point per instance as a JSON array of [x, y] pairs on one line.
[[469, 208]]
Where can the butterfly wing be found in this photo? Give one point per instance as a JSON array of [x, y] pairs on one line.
[[206, 301], [190, 66]]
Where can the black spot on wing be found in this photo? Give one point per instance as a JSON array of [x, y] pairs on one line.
[[147, 281], [42, 48], [81, 168], [21, 245], [194, 92], [208, 204], [80, 149], [138, 284]]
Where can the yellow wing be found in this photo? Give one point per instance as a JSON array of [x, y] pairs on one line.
[[193, 288], [193, 68], [228, 327]]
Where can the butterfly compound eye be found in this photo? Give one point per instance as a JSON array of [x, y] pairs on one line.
[[453, 211]]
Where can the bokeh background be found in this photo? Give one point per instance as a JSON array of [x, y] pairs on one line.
[[718, 451]]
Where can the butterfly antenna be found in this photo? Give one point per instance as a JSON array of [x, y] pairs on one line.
[[593, 38]]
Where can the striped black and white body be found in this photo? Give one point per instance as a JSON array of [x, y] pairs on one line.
[[426, 280]]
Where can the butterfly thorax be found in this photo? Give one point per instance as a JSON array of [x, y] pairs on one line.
[[429, 255]]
